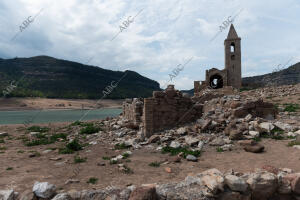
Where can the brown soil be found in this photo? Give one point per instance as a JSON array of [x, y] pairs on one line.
[[25, 170]]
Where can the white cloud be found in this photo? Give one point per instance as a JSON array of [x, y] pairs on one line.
[[163, 35]]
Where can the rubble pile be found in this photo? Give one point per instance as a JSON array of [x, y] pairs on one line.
[[265, 183]]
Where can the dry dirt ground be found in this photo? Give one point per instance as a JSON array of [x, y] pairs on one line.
[[48, 104], [21, 166]]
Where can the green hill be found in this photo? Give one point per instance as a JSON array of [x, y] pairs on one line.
[[44, 76]]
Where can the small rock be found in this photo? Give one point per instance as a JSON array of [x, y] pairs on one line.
[[191, 141], [7, 195], [3, 134], [44, 190], [181, 131], [168, 169], [63, 196], [191, 158], [175, 144], [255, 148], [154, 139], [254, 133], [296, 146], [101, 164], [266, 127], [248, 117], [56, 159], [200, 145], [217, 142], [235, 134], [47, 151], [93, 143], [70, 181]]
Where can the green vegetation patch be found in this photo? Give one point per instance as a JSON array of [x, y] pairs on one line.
[[219, 149], [71, 147], [89, 129], [184, 150], [154, 164], [121, 146], [292, 143], [78, 159], [92, 180], [44, 140], [291, 107]]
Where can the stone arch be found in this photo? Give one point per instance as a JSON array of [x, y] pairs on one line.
[[216, 81]]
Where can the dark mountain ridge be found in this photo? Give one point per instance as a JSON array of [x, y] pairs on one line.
[[44, 76]]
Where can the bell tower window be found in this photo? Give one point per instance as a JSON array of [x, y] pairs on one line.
[[232, 47]]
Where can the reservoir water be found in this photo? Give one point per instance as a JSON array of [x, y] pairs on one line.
[[47, 116]]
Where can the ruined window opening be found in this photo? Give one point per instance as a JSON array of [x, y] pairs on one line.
[[232, 47], [232, 57], [216, 81]]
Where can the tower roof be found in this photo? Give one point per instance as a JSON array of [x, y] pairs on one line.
[[232, 33]]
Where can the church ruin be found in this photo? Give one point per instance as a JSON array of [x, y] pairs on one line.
[[170, 107], [231, 75]]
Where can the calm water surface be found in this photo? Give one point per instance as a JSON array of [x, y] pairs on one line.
[[46, 116]]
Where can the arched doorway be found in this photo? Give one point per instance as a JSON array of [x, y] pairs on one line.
[[216, 81]]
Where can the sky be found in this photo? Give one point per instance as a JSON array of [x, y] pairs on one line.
[[156, 36]]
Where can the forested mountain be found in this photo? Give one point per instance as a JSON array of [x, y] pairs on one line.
[[44, 76]]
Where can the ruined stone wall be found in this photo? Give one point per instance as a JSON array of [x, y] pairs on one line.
[[133, 110], [167, 109]]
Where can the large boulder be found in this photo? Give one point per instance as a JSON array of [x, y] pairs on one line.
[[294, 179], [263, 185], [191, 188], [44, 190], [213, 179], [144, 193], [236, 183]]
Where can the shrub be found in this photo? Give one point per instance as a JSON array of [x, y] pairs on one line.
[[125, 155], [219, 149], [105, 158], [74, 145], [78, 159], [291, 107], [90, 129], [71, 147], [92, 180], [121, 146], [38, 129], [154, 164]]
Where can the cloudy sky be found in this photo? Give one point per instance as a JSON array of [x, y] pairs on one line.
[[164, 34]]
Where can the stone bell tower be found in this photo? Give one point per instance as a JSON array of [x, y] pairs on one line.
[[233, 63]]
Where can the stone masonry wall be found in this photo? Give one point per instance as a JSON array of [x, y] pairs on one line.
[[133, 110], [167, 109], [164, 110]]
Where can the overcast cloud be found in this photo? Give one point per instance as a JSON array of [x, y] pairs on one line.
[[165, 34]]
